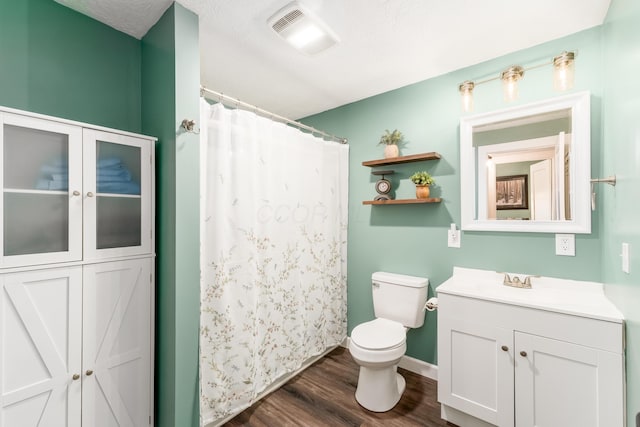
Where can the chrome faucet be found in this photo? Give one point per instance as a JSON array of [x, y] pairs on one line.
[[515, 282]]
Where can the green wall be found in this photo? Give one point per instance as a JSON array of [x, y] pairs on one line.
[[56, 61], [171, 69], [412, 239], [621, 156]]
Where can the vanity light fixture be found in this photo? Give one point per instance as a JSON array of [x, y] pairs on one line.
[[302, 29], [563, 75]]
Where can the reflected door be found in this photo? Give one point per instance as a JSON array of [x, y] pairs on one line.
[[41, 181], [118, 199], [541, 191]]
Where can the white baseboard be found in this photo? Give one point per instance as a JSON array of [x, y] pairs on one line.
[[419, 367], [411, 364]]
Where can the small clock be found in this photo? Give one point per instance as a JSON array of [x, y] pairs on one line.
[[383, 186]]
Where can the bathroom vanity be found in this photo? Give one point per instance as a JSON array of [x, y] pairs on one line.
[[552, 355]]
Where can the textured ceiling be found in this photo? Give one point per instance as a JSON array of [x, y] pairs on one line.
[[385, 44]]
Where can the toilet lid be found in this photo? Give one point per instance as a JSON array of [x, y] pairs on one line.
[[379, 334]]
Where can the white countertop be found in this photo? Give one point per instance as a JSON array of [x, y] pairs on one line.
[[574, 297]]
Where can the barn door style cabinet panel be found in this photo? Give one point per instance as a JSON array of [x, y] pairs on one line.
[[552, 355], [76, 274]]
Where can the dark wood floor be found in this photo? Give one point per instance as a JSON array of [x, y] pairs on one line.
[[323, 395]]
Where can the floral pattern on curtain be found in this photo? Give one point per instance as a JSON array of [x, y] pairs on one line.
[[273, 254]]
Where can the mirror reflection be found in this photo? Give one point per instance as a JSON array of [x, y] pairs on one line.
[[527, 168], [525, 164]]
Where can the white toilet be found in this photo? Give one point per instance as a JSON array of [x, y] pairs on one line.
[[377, 346]]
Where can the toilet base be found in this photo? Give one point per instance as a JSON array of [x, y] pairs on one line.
[[379, 390]]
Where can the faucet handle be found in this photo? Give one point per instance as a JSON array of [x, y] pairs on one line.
[[507, 279], [527, 280]]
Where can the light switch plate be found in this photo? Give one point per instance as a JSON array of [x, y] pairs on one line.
[[625, 257], [566, 244], [453, 237]]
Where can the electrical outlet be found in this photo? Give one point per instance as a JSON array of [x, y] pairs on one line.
[[566, 244]]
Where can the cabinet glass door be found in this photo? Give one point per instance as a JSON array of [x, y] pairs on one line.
[[41, 183], [118, 194]]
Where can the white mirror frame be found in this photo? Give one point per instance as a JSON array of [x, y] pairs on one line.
[[580, 166]]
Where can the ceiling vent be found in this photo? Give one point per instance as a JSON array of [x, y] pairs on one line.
[[302, 29]]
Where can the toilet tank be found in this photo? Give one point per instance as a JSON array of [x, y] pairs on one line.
[[399, 297]]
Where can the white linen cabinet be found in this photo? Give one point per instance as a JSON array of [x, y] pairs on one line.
[[76, 274]]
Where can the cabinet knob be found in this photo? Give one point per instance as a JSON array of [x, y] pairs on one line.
[[76, 193], [89, 194], [504, 348], [75, 377], [523, 353], [89, 372]]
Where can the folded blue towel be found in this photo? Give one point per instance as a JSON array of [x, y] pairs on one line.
[[59, 185], [51, 169], [109, 163], [123, 176], [119, 187], [43, 184], [108, 171], [47, 184]]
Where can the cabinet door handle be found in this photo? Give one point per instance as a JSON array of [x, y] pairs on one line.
[[504, 348], [75, 377], [89, 372], [76, 193], [523, 353], [89, 194]]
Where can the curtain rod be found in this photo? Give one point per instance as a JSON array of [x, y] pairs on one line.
[[225, 99]]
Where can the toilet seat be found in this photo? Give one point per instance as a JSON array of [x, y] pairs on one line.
[[379, 334]]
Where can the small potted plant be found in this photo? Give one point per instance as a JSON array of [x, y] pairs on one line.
[[422, 180], [391, 140]]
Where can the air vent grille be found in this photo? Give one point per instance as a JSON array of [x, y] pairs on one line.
[[287, 20]]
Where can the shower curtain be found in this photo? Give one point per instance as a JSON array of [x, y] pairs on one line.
[[273, 254]]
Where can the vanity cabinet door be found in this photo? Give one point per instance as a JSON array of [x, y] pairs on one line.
[[563, 384], [475, 369]]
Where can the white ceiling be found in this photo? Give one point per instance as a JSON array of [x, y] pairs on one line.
[[385, 44]]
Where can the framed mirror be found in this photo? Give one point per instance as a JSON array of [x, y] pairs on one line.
[[527, 168]]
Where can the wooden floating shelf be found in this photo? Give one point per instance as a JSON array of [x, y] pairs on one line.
[[402, 201], [402, 159]]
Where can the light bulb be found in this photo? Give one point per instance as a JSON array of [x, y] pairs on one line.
[[563, 71], [510, 79], [466, 90]]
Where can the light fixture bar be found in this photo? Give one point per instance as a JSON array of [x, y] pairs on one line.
[[563, 75]]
